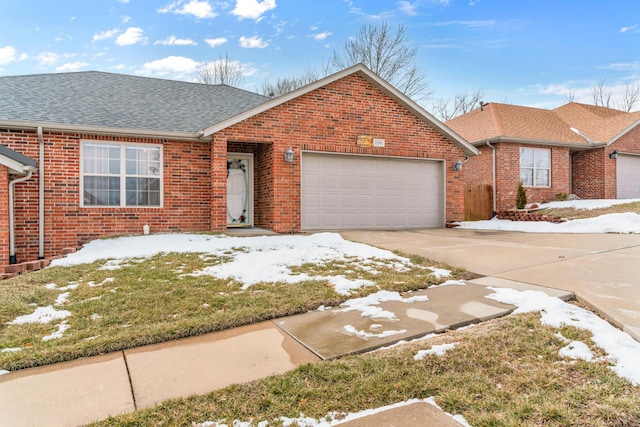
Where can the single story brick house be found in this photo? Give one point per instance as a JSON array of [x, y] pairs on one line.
[[92, 154], [586, 150]]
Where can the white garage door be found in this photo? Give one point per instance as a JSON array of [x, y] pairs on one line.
[[628, 176], [349, 192]]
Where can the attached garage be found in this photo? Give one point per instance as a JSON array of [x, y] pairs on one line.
[[628, 176], [370, 192]]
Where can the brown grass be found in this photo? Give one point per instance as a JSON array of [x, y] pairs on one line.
[[571, 213]]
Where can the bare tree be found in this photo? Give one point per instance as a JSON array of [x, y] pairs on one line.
[[285, 85], [601, 95], [388, 54], [221, 71], [570, 97], [630, 97], [461, 103]]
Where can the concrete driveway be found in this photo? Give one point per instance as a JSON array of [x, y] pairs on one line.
[[602, 270]]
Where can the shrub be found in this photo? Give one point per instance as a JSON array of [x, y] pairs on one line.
[[561, 197], [521, 197]]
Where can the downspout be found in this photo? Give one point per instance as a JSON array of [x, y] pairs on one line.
[[495, 192], [41, 195], [12, 237]]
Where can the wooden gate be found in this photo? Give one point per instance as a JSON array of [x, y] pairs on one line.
[[477, 202]]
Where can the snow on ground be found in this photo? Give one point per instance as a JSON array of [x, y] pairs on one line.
[[586, 204], [334, 419], [251, 259], [436, 350], [627, 222], [368, 306], [41, 315], [622, 350]]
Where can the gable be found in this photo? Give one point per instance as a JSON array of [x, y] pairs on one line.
[[317, 92], [16, 162]]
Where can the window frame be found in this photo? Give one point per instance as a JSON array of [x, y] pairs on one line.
[[533, 168], [122, 175]]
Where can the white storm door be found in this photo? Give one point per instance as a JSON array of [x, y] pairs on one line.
[[239, 190]]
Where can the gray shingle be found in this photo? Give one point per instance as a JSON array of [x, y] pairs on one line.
[[94, 98], [17, 157]]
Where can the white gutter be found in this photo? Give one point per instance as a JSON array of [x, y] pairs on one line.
[[102, 130], [41, 195], [12, 238], [493, 189]]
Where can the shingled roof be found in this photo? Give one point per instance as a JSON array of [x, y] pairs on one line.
[[572, 124], [109, 100]]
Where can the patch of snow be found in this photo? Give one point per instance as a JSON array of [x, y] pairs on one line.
[[576, 350], [622, 350], [51, 286], [364, 334], [95, 316], [62, 299], [627, 222], [71, 286], [41, 315], [368, 305], [62, 328], [3, 372], [439, 273], [450, 283], [11, 349], [437, 350]]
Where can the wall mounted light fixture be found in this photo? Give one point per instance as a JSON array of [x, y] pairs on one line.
[[613, 155], [288, 156], [457, 166]]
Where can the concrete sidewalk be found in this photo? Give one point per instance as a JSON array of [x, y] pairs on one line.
[[602, 270], [79, 392]]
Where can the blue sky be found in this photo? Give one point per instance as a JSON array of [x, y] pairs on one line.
[[519, 51]]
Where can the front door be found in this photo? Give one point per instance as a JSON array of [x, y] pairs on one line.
[[239, 190]]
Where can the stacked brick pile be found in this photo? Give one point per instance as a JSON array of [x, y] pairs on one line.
[[526, 215]]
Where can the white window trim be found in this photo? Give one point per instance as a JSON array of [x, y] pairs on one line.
[[534, 168], [122, 175]]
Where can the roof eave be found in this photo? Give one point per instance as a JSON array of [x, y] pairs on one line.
[[544, 142], [369, 76], [104, 130], [624, 131]]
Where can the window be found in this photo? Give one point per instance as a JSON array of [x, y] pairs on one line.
[[535, 167], [121, 174]]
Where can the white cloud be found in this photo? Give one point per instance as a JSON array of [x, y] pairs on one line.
[[7, 54], [623, 66], [107, 34], [126, 19], [408, 8], [253, 42], [50, 58], [72, 66], [629, 28], [174, 41], [196, 8], [218, 41], [171, 64], [124, 1], [322, 36], [252, 9], [132, 35]]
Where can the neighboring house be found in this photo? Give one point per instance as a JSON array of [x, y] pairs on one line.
[[116, 153], [592, 152]]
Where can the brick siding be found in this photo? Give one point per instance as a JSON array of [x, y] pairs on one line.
[[330, 119]]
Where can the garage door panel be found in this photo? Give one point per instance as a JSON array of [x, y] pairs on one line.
[[628, 176], [341, 191]]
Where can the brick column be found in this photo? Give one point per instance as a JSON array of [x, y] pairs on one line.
[[218, 184], [4, 217]]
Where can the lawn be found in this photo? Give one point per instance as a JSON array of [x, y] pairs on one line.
[[104, 306], [571, 213]]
